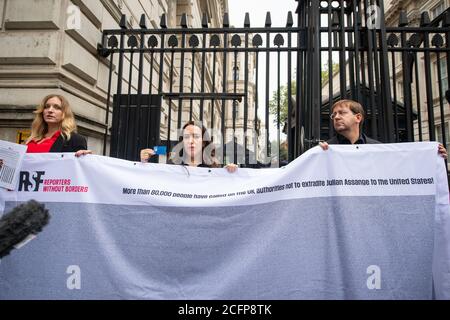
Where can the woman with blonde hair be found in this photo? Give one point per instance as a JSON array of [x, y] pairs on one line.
[[54, 128]]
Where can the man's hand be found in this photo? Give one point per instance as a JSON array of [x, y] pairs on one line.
[[146, 154], [442, 151], [324, 145]]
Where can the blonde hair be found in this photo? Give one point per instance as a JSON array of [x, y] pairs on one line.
[[39, 127]]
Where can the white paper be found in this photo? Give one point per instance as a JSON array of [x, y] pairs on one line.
[[12, 155]]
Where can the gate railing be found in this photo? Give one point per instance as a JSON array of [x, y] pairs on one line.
[[228, 78], [200, 74]]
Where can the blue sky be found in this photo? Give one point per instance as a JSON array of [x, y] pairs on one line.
[[257, 10]]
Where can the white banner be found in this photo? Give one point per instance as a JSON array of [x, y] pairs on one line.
[[354, 222]]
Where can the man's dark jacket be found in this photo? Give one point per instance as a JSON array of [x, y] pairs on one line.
[[363, 139]]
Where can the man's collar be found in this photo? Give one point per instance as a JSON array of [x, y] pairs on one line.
[[343, 140]]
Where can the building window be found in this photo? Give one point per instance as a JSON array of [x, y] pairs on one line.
[[444, 75], [437, 9], [236, 73], [236, 109], [400, 90]]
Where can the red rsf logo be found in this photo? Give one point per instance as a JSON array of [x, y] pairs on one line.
[[65, 189], [62, 185], [55, 185]]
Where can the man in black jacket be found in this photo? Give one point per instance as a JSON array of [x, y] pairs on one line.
[[348, 117]]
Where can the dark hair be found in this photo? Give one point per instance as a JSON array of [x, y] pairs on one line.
[[206, 141]]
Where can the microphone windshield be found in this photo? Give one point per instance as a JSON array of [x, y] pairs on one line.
[[23, 221]]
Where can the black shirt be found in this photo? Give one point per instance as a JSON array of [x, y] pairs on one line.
[[201, 165], [363, 139]]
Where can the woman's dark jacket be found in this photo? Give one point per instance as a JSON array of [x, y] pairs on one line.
[[75, 143]]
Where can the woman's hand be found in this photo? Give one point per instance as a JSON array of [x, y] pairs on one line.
[[80, 153], [231, 167], [146, 154]]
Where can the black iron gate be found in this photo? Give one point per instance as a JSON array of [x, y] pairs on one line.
[[233, 79]]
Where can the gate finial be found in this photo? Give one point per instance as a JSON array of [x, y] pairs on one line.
[[446, 21], [247, 20], [424, 19], [403, 19], [204, 21], [268, 23], [183, 22], [226, 20], [123, 22], [163, 23], [290, 20], [143, 22]]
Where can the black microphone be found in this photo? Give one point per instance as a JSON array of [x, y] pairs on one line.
[[23, 221]]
